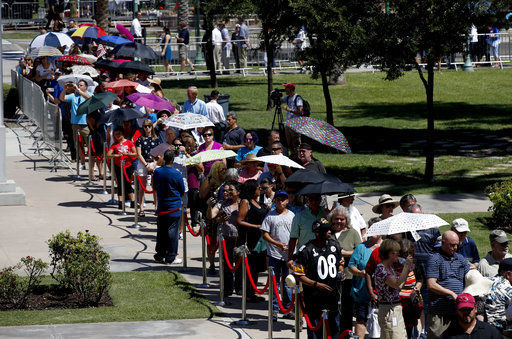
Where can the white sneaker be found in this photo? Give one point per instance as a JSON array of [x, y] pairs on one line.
[[82, 167], [177, 261], [181, 236]]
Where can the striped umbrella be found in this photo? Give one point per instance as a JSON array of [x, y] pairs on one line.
[[51, 39], [320, 131], [44, 51], [211, 155], [188, 121], [93, 32]]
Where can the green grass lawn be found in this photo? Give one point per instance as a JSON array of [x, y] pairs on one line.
[[137, 296], [19, 35]]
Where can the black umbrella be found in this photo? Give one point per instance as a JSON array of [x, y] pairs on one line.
[[136, 67], [327, 187], [310, 177], [122, 114], [107, 65], [135, 50]]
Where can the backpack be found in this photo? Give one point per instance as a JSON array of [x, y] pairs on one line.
[[306, 109]]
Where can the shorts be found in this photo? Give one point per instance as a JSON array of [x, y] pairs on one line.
[[84, 133], [183, 51], [495, 50], [361, 312]]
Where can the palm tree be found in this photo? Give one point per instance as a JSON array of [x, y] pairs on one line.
[[182, 11], [101, 14]]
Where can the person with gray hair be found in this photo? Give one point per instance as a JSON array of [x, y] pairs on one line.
[[231, 175], [406, 201], [234, 137], [348, 238]]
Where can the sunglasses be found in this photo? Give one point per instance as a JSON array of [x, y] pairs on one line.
[[148, 126], [229, 190], [248, 139], [276, 149], [207, 134], [388, 206], [264, 188]]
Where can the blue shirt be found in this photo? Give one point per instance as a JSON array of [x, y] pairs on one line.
[[450, 273], [184, 34], [469, 251], [424, 247], [242, 152], [359, 259], [169, 186], [198, 107], [244, 32], [76, 99]]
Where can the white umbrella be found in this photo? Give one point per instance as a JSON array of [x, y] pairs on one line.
[[75, 78], [81, 69], [279, 159], [188, 121], [91, 58], [405, 222], [44, 51], [52, 39], [211, 155]]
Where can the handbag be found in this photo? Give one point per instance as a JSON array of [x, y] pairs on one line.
[[372, 324]]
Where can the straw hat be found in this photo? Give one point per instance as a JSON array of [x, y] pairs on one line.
[[249, 158], [476, 283], [157, 81], [383, 200]]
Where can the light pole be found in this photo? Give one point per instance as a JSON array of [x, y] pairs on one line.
[[199, 56], [468, 65]]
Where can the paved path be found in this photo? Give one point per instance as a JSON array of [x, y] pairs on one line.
[[56, 202]]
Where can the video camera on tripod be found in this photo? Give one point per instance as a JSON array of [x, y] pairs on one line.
[[276, 96]]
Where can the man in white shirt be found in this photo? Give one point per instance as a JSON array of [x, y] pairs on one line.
[[216, 115], [136, 28], [217, 49]]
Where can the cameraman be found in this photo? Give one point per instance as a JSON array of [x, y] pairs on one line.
[[293, 108]]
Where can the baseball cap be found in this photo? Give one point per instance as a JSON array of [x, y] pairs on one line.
[[460, 225], [289, 85], [465, 300], [505, 266], [280, 194], [321, 225], [498, 236]]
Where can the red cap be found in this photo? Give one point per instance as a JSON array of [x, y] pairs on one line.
[[289, 85], [465, 300]]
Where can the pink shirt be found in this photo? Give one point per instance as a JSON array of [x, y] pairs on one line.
[[208, 165], [244, 176]]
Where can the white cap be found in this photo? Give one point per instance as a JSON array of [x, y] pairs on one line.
[[460, 225]]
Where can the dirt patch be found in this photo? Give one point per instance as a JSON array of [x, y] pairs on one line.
[[53, 298]]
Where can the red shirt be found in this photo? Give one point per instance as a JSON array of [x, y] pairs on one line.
[[123, 148]]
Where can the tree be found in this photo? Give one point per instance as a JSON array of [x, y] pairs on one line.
[[338, 33], [435, 28], [101, 14], [182, 11]]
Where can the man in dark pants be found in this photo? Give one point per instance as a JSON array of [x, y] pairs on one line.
[[170, 188], [52, 13]]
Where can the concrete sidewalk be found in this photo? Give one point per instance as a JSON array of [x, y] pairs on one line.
[[56, 202]]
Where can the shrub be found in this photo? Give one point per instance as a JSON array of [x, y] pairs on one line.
[[15, 289], [500, 195], [80, 264], [10, 101]]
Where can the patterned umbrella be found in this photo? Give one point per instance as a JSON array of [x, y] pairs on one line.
[[279, 159], [405, 222], [125, 32], [82, 69], [320, 131], [188, 121], [91, 58], [74, 59], [150, 100], [93, 32], [210, 155], [51, 39], [44, 51]]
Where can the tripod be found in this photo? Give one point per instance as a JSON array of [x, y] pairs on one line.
[[278, 113]]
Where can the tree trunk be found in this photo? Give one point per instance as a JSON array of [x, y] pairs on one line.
[[429, 149], [327, 96], [182, 11], [270, 57], [101, 14]]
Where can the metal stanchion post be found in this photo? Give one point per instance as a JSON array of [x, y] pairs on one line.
[[203, 251], [184, 220], [324, 327], [77, 154], [90, 163], [104, 166], [121, 179], [112, 200], [135, 201], [243, 321], [221, 273], [270, 302], [297, 312]]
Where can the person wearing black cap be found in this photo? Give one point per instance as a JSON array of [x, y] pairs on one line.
[[319, 267], [307, 160], [293, 107]]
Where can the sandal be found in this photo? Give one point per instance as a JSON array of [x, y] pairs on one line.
[[142, 214]]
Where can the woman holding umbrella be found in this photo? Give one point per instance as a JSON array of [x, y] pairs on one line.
[[166, 50], [385, 206], [209, 144]]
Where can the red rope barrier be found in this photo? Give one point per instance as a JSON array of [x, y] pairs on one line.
[[126, 175], [278, 297], [191, 230], [94, 151], [143, 187], [308, 322], [252, 281], [227, 259]]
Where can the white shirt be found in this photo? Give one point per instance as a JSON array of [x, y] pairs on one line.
[[215, 112], [301, 39], [45, 73], [216, 37], [356, 220], [474, 34], [136, 28]]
